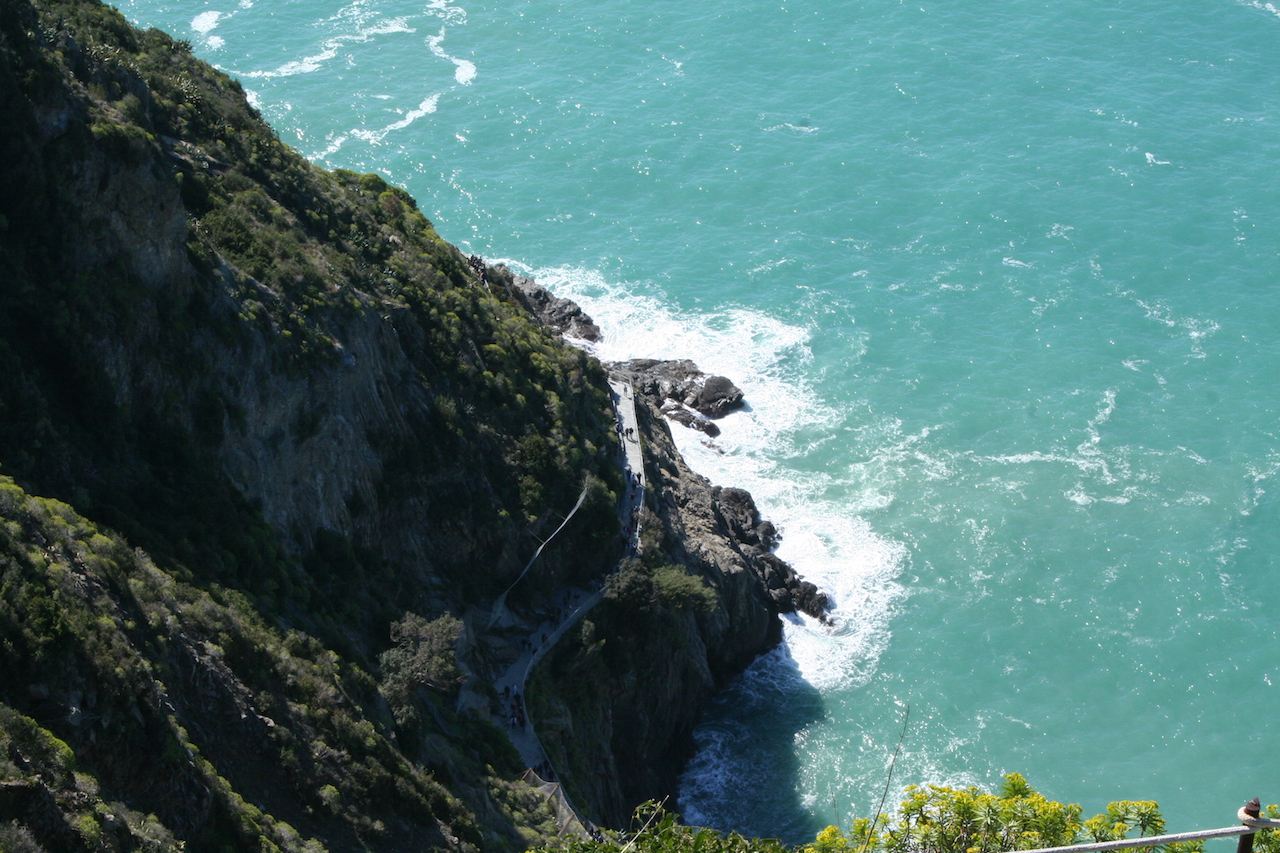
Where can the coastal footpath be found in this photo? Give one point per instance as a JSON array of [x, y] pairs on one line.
[[272, 453]]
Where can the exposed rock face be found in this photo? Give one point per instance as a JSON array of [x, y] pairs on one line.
[[680, 385], [622, 712], [751, 538], [682, 415], [675, 387], [757, 539], [701, 532], [562, 316], [33, 806], [625, 728]]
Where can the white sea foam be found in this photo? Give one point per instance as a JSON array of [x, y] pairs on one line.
[[464, 70], [1265, 7], [857, 569], [335, 142], [769, 266], [364, 24], [793, 128], [1107, 406], [823, 539], [1196, 329], [427, 107], [204, 24], [331, 47], [306, 65], [447, 12]]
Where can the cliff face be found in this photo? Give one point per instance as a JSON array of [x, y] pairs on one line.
[[179, 283], [279, 413], [628, 686]]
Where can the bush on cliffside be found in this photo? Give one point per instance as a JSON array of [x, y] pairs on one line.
[[933, 819], [424, 655], [941, 819], [638, 586]]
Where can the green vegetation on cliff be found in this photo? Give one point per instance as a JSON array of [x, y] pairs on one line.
[[273, 415], [143, 672], [280, 263], [935, 819]]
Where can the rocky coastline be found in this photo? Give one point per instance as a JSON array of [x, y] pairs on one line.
[[257, 414], [682, 393]]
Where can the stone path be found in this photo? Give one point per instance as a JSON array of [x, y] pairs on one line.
[[624, 403], [573, 603]]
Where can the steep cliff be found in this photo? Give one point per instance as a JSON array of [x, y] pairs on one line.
[[276, 421], [617, 701]]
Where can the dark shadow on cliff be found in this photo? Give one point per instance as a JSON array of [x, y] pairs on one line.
[[746, 776]]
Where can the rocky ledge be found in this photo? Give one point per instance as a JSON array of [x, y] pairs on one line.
[[756, 540]]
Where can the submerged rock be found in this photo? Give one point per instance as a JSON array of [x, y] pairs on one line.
[[684, 416]]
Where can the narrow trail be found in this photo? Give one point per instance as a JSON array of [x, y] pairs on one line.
[[572, 605]]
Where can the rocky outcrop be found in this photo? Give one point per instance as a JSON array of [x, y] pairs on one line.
[[682, 386], [562, 316], [684, 393], [625, 694], [626, 691], [756, 539], [724, 524]]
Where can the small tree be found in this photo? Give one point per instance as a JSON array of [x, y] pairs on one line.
[[425, 654]]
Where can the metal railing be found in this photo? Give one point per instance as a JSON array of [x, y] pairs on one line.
[[1250, 823]]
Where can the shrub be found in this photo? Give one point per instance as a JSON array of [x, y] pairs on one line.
[[45, 754], [676, 588], [424, 655], [940, 819]]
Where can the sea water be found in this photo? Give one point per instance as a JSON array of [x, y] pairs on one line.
[[999, 282]]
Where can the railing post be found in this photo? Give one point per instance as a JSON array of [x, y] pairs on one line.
[[1251, 809]]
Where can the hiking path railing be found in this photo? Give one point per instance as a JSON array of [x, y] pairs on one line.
[[1250, 823]]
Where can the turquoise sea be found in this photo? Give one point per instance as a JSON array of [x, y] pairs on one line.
[[999, 281]]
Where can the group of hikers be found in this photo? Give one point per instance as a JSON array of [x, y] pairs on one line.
[[632, 523], [478, 266], [516, 703]]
